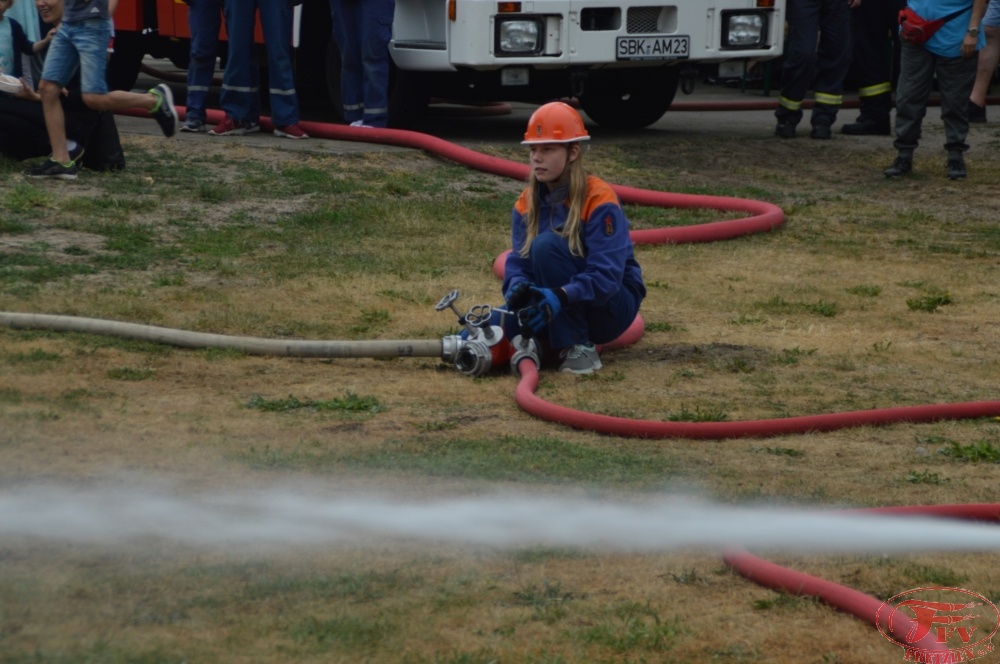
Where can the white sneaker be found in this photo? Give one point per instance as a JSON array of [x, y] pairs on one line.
[[580, 359]]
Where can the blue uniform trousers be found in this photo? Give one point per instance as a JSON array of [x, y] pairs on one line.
[[875, 34], [554, 266], [820, 69], [362, 30], [240, 83], [204, 21]]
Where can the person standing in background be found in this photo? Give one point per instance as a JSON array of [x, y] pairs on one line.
[[204, 23], [949, 58], [875, 35], [989, 56], [362, 30], [240, 82], [807, 66]]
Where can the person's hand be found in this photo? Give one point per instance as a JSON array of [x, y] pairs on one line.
[[548, 307], [969, 44], [518, 295], [26, 92]]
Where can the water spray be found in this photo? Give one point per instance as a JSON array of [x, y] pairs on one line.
[[115, 515]]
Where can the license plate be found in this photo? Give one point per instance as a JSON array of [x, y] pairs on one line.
[[653, 48]]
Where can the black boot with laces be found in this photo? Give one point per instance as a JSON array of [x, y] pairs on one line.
[[900, 167], [956, 168]]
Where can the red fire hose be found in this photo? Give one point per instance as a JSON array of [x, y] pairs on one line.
[[857, 604], [762, 217]]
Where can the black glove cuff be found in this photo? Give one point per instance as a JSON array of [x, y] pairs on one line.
[[563, 297]]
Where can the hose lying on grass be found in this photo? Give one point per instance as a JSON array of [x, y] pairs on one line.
[[762, 217]]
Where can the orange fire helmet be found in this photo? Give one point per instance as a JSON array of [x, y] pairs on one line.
[[555, 122]]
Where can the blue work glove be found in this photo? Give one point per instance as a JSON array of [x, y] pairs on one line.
[[549, 304], [518, 296]]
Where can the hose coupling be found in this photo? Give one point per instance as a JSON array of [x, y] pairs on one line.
[[524, 349], [474, 358]]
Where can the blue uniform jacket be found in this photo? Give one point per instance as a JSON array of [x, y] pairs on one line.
[[610, 257]]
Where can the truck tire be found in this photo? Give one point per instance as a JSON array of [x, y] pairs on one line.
[[629, 98], [408, 98]]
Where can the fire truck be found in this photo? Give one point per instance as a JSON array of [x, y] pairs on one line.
[[621, 59]]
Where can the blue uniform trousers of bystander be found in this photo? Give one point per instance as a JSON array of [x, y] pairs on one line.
[[240, 83], [807, 67], [363, 30]]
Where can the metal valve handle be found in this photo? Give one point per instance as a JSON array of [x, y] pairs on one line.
[[479, 314], [479, 317], [448, 301]]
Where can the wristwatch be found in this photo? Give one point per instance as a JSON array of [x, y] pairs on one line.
[[974, 32]]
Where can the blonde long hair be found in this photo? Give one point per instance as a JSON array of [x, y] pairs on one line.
[[577, 198]]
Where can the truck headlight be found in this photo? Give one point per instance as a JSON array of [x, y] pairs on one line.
[[519, 36], [744, 29]]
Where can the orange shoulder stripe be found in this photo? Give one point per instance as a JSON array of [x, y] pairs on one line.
[[599, 192], [521, 205]]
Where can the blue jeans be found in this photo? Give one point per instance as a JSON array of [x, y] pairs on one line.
[[362, 30], [240, 83], [554, 266], [82, 45]]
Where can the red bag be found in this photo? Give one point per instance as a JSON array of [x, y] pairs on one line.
[[915, 29]]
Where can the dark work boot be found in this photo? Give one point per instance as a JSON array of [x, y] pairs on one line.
[[956, 167], [821, 132], [785, 129], [900, 167], [867, 127]]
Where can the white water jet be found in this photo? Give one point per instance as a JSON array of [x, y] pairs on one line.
[[283, 518]]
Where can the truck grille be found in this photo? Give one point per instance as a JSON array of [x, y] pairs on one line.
[[642, 20], [639, 20]]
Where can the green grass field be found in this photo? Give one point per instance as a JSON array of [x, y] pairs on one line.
[[873, 294]]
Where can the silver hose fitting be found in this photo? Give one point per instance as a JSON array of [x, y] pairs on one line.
[[474, 359], [524, 349], [472, 356], [450, 348]]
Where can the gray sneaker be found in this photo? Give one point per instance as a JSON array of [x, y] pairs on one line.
[[194, 126], [581, 359]]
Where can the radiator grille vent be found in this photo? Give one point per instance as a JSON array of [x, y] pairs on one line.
[[641, 20]]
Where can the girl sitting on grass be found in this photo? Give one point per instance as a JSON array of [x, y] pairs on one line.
[[572, 269]]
